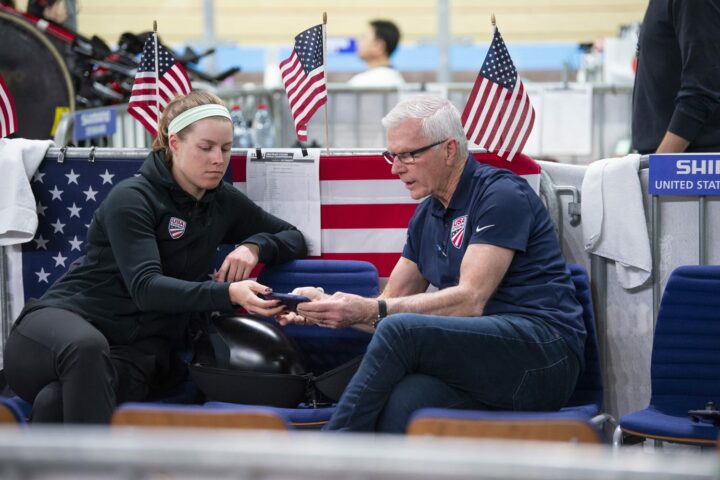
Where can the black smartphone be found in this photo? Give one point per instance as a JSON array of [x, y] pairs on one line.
[[290, 300]]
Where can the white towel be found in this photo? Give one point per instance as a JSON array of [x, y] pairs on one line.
[[613, 218], [19, 159]]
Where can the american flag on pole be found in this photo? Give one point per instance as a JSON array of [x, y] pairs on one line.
[[498, 115], [157, 81], [303, 75], [8, 116]]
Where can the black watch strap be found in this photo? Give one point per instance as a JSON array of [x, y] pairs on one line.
[[382, 312]]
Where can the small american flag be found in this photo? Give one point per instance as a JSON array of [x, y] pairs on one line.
[[303, 75], [8, 116], [151, 90], [498, 115]]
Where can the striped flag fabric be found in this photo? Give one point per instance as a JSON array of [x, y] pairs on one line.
[[365, 209], [498, 115], [154, 88], [8, 115], [303, 74]]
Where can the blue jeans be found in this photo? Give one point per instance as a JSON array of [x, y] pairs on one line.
[[492, 362]]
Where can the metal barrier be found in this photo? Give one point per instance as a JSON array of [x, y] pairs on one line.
[[354, 117], [682, 230], [249, 455]]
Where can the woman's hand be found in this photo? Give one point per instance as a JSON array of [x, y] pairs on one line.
[[245, 294], [239, 263]]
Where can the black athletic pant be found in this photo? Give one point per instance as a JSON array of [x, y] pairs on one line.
[[65, 367]]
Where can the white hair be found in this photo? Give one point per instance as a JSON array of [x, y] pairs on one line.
[[439, 119]]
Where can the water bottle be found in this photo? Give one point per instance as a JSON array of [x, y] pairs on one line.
[[263, 127], [242, 137]]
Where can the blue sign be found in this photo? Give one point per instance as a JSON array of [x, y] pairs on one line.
[[684, 174], [95, 123]]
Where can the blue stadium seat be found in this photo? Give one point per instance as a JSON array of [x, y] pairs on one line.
[[325, 348], [304, 417], [14, 410], [584, 404], [685, 365]]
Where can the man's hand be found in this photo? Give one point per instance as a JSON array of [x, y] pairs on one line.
[[339, 310], [313, 293], [239, 263]]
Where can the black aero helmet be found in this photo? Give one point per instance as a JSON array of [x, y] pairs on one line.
[[250, 344], [252, 361]]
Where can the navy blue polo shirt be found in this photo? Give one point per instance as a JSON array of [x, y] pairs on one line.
[[497, 207]]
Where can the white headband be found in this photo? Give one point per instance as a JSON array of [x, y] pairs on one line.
[[194, 114]]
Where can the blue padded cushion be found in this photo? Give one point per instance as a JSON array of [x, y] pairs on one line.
[[325, 348], [589, 388], [588, 410], [303, 416], [653, 422], [497, 414], [685, 368], [350, 276], [19, 407]]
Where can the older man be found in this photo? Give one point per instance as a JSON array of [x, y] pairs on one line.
[[503, 329]]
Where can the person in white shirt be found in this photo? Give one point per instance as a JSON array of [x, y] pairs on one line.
[[375, 48]]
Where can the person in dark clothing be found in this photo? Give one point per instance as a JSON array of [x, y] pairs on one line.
[[676, 100], [108, 331]]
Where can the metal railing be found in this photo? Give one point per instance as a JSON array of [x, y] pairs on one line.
[[354, 117], [119, 453]]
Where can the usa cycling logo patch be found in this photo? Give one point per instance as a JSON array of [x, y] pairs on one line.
[[457, 231], [176, 227]]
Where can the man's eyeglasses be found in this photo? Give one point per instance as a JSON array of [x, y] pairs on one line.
[[408, 158]]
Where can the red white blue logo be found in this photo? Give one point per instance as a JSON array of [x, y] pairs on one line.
[[176, 227], [457, 231]]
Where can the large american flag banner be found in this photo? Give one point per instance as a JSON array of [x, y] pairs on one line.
[[498, 115], [8, 115], [152, 90], [303, 74], [67, 194], [365, 209]]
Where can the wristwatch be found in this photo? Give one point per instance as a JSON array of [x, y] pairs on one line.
[[382, 312]]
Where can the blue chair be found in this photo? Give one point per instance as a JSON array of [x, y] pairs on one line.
[[14, 410], [685, 365], [304, 417], [584, 405], [324, 348], [588, 395]]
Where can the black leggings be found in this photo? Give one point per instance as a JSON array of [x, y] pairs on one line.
[[58, 361]]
